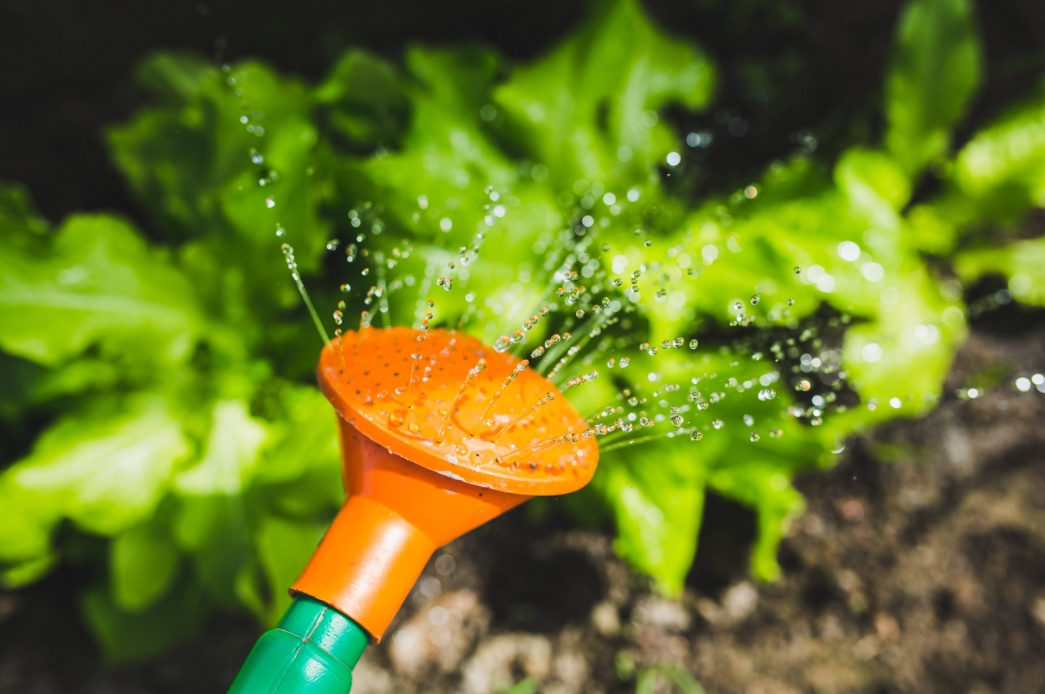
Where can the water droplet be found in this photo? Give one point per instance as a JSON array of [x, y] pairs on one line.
[[270, 203], [717, 423], [755, 299], [695, 435], [624, 361], [776, 433], [693, 343], [798, 270], [345, 289], [754, 437], [766, 394]]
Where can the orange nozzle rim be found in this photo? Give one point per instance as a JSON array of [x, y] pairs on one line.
[[445, 401]]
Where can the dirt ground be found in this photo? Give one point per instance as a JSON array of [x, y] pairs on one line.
[[919, 567]]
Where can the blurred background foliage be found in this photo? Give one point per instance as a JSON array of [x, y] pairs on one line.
[[159, 417]]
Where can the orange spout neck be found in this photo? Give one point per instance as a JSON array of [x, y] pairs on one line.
[[397, 515]]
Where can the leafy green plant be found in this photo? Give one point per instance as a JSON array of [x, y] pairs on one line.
[[173, 366]]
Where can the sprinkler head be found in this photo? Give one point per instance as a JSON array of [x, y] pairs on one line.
[[439, 434]]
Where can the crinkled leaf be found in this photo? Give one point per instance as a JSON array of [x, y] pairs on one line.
[[434, 190], [27, 572], [284, 547], [657, 495], [25, 524], [216, 532], [935, 71], [98, 284], [1022, 264], [364, 101], [105, 469], [750, 448], [1002, 168], [197, 158], [588, 109], [762, 483], [874, 184], [304, 437], [230, 455], [899, 360]]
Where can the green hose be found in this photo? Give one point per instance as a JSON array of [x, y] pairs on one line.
[[311, 651]]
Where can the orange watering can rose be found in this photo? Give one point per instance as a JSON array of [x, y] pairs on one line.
[[439, 434]]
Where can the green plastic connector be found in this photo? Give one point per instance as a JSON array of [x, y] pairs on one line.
[[311, 651]]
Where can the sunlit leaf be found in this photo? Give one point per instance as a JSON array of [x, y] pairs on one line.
[[230, 455], [105, 469], [935, 71], [98, 284], [1022, 264]]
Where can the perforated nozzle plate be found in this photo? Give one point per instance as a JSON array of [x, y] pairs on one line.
[[511, 444]]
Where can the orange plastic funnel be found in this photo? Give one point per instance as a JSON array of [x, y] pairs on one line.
[[439, 434]]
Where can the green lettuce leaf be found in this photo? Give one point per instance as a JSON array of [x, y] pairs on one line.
[[657, 498], [98, 284], [143, 564], [588, 109], [1002, 168], [105, 469], [1022, 263], [230, 455], [284, 547], [935, 70]]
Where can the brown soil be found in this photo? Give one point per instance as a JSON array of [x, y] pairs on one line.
[[920, 567]]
